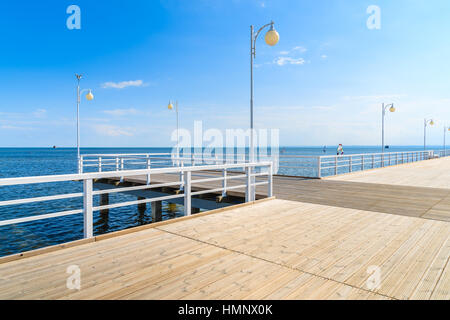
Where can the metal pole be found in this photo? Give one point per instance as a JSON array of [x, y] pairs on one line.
[[425, 134], [382, 127], [445, 130], [78, 122], [251, 151], [252, 49], [178, 137]]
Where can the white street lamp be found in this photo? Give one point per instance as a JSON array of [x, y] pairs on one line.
[[446, 129], [425, 124], [89, 97], [170, 107], [272, 37], [384, 108]]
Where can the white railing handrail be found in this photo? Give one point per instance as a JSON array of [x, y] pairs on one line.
[[375, 154], [185, 183], [112, 174], [312, 165]]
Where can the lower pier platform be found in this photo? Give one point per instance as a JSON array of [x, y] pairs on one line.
[[273, 249]]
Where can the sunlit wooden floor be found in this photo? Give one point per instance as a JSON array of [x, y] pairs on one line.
[[274, 249], [420, 189], [433, 173]]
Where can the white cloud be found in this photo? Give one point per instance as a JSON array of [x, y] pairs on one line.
[[281, 61], [40, 113], [121, 112], [13, 127], [291, 56], [123, 84], [293, 50], [112, 131], [299, 49], [324, 56]]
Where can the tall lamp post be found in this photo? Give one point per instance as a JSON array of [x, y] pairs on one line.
[[446, 129], [89, 97], [170, 107], [271, 38], [425, 124], [384, 108]]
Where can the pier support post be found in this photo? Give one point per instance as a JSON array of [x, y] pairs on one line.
[[187, 193], [156, 211], [88, 228], [141, 206], [104, 201], [195, 210]]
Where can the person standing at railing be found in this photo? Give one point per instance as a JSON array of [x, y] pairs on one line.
[[340, 149]]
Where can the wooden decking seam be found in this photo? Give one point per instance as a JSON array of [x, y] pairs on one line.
[[439, 201], [118, 233], [276, 263], [440, 276]]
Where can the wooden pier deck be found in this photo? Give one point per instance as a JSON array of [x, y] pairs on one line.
[[419, 189], [319, 240]]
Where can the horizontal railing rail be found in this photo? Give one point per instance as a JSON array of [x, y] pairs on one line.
[[286, 164], [252, 172], [338, 164]]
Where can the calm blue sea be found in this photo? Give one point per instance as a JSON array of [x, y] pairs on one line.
[[22, 162]]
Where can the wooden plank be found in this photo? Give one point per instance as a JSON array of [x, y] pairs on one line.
[[275, 249]]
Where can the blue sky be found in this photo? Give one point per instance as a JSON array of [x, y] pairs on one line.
[[323, 83]]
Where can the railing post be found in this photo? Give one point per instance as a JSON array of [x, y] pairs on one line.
[[148, 168], [87, 209], [80, 164], [389, 159], [248, 183], [121, 168], [362, 163], [224, 182], [319, 167], [396, 158], [403, 160], [187, 193], [270, 181], [373, 161], [382, 160], [182, 177], [335, 166], [350, 164], [99, 164]]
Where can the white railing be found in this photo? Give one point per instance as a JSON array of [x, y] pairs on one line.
[[250, 174], [338, 164], [119, 162], [442, 153], [284, 164]]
